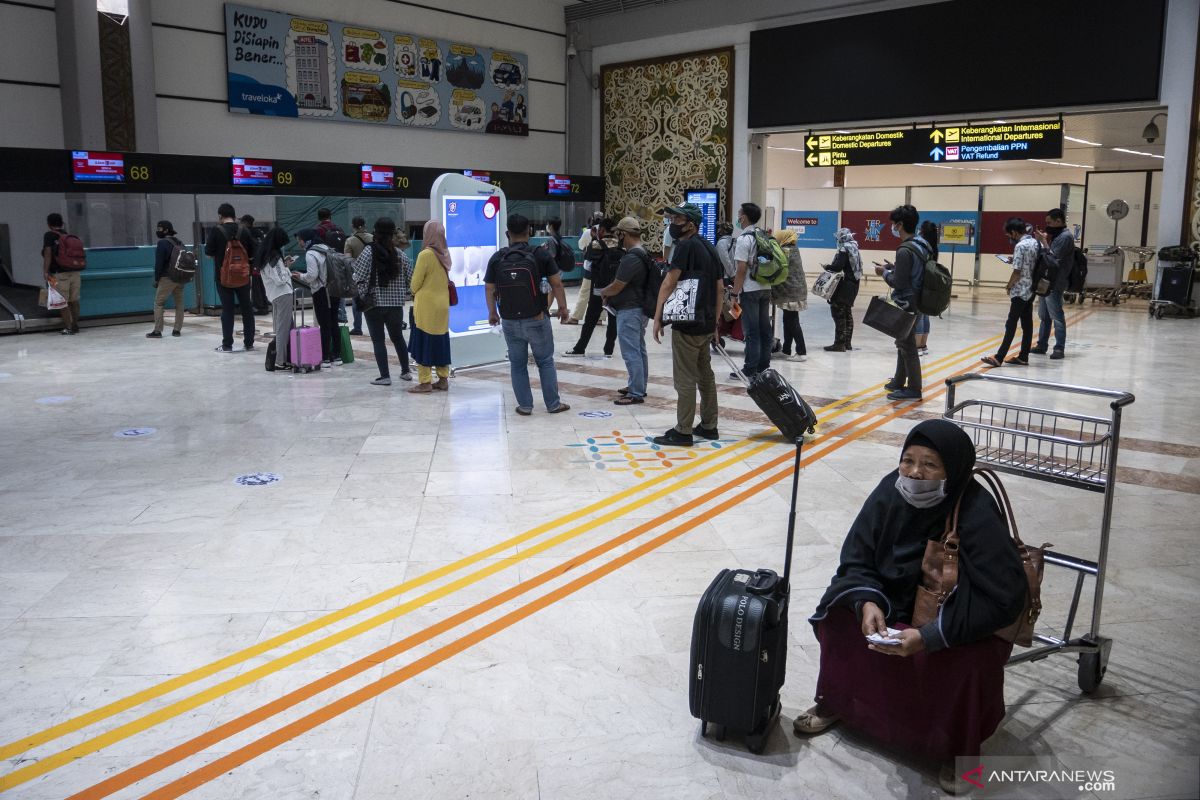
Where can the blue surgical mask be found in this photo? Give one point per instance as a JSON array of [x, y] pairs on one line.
[[896, 231], [921, 494]]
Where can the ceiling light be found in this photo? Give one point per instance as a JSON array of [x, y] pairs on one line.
[[1062, 163], [793, 149], [933, 166], [841, 131], [1137, 152], [998, 122], [1082, 141]]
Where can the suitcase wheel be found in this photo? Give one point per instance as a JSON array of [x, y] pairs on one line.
[[703, 729]]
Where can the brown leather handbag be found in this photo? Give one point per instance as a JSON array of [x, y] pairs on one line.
[[939, 569]]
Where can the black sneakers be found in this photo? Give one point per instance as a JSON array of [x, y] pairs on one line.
[[154, 335], [705, 433], [673, 438]]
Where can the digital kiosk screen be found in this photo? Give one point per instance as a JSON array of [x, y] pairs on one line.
[[91, 167], [253, 172], [377, 177], [709, 202], [558, 184]]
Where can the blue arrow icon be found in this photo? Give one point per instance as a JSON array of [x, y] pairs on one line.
[[937, 153]]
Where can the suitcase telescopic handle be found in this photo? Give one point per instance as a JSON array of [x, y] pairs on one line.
[[791, 534]]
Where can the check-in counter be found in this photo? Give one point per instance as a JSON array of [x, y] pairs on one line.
[[120, 280]]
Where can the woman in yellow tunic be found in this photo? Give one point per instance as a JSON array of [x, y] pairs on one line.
[[430, 340]]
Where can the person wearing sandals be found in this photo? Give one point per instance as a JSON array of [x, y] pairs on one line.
[[1020, 294], [624, 295], [379, 275], [939, 692], [430, 340], [276, 272], [791, 297]]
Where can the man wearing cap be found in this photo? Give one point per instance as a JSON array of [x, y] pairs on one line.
[[624, 295], [754, 297], [691, 364]]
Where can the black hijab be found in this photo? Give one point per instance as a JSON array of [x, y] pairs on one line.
[[881, 556]]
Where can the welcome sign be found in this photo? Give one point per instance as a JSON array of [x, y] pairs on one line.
[[287, 66]]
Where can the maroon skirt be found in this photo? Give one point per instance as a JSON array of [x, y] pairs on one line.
[[937, 705]]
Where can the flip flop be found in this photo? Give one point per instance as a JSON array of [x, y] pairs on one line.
[[991, 361], [1017, 361]]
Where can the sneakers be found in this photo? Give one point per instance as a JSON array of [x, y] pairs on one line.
[[67, 331], [834, 348], [406, 376], [673, 438], [797, 357], [1056, 355], [224, 348], [922, 351], [904, 394], [381, 381], [177, 333], [892, 386], [154, 335], [705, 433], [356, 332], [573, 354], [560, 408], [524, 412], [249, 348]]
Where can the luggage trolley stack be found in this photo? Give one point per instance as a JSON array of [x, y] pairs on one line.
[[1076, 450]]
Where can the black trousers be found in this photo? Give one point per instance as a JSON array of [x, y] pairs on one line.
[[793, 333], [595, 308], [230, 300], [843, 323], [389, 321], [908, 364], [331, 343], [1018, 311]]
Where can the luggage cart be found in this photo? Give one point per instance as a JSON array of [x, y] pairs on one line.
[[1105, 268], [1069, 449]]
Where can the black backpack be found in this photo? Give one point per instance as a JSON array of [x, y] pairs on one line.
[[653, 283], [335, 239], [564, 256], [1077, 278], [604, 268], [518, 284], [1045, 268]]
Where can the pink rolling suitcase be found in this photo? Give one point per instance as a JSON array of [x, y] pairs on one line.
[[304, 343]]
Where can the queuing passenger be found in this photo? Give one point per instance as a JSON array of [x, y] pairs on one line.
[[380, 276], [625, 295], [585, 288], [1020, 294], [603, 255], [315, 276], [326, 226], [691, 361], [905, 278], [885, 691], [562, 254], [430, 339], [355, 243], [226, 231], [848, 261], [1050, 308], [754, 297], [791, 297], [275, 269], [163, 285], [724, 246], [61, 270], [523, 315], [258, 295], [928, 235]]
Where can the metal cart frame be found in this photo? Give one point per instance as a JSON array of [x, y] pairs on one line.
[[1076, 450]]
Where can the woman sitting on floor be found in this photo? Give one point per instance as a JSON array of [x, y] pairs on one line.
[[939, 693]]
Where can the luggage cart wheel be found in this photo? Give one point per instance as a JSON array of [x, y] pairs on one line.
[[1093, 665]]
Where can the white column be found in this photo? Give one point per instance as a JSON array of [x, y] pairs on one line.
[[141, 58], [82, 96], [1176, 87]]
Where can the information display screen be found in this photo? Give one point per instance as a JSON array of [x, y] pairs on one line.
[[91, 167], [253, 172], [709, 201], [558, 184], [378, 177], [478, 175], [472, 237]]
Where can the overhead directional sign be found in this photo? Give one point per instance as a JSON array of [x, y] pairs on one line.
[[997, 141]]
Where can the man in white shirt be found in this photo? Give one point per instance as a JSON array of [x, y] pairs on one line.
[[754, 297], [1020, 294]]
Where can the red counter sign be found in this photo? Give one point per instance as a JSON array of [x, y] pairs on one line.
[[378, 177], [253, 172], [90, 167], [558, 184]]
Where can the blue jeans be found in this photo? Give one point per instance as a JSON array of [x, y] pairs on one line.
[[1050, 309], [521, 336], [922, 325], [631, 333], [756, 326]]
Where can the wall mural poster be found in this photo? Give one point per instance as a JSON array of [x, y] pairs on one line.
[[286, 66]]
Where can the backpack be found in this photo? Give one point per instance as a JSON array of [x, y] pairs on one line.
[[653, 283], [770, 266], [335, 238], [182, 266], [604, 268], [518, 284], [68, 253], [1077, 278], [339, 274], [235, 267], [564, 257], [936, 286], [1045, 271]]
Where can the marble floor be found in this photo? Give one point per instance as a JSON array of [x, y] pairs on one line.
[[440, 599]]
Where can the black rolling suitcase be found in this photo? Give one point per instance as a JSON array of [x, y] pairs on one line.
[[739, 646], [782, 404]]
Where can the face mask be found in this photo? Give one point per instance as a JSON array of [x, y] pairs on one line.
[[896, 231], [161, 234], [676, 230], [1055, 230], [921, 494]]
